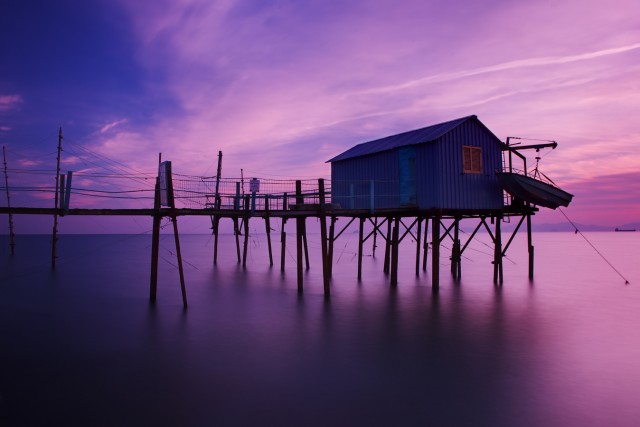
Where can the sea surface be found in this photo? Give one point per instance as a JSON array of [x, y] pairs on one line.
[[82, 345]]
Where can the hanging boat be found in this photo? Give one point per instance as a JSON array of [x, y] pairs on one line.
[[533, 190]]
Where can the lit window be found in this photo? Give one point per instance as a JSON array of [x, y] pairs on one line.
[[471, 159]]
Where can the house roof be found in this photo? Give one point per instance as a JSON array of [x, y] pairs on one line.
[[418, 136]]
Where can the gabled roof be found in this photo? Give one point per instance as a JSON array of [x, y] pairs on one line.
[[418, 136]]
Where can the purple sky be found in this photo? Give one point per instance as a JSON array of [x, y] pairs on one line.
[[282, 86]]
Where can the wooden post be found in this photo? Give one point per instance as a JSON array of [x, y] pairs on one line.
[[283, 234], [530, 245], [216, 226], [267, 225], [326, 275], [236, 232], [12, 242], [304, 242], [418, 243], [55, 205], [425, 245], [283, 244], [394, 253], [387, 248], [332, 229], [375, 235], [435, 254], [174, 219], [360, 245], [497, 257], [155, 243], [246, 232], [216, 200], [299, 232], [455, 250]]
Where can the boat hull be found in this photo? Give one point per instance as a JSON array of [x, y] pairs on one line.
[[534, 191]]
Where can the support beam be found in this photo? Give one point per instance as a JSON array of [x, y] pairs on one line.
[[215, 225], [530, 246], [387, 248], [435, 255], [155, 244], [236, 233], [174, 219], [332, 229], [267, 225], [326, 271], [360, 246], [418, 242], [246, 242], [425, 245], [497, 257], [283, 244], [299, 233], [394, 252]]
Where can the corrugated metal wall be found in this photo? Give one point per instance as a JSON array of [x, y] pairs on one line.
[[440, 182], [458, 190], [351, 181]]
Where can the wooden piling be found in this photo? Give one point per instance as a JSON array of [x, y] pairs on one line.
[[246, 243], [394, 252], [387, 248], [326, 273], [12, 242], [418, 242], [283, 244], [267, 225], [155, 243], [497, 257], [215, 223], [176, 237], [425, 244], [455, 250], [54, 240], [360, 246], [236, 232], [530, 246], [305, 246], [375, 236], [435, 254], [332, 230], [299, 233]]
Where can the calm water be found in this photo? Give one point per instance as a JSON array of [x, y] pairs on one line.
[[82, 345]]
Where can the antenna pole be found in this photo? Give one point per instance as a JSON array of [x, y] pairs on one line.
[[12, 242], [218, 176], [55, 215]]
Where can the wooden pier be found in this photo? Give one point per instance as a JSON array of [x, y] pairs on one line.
[[374, 183], [393, 226]]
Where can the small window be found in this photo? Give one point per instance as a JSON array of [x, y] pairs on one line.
[[471, 159]]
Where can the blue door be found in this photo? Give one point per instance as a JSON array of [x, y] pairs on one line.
[[407, 175]]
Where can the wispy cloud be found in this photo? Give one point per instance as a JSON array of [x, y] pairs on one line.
[[505, 66], [10, 102], [106, 128]]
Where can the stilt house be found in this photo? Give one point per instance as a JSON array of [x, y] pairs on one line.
[[446, 166]]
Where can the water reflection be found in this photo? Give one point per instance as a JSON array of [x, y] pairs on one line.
[[87, 349]]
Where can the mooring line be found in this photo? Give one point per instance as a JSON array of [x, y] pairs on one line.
[[577, 231]]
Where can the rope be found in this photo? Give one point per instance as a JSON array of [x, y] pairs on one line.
[[626, 282]]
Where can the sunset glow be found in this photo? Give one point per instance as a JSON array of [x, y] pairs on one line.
[[282, 86]]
